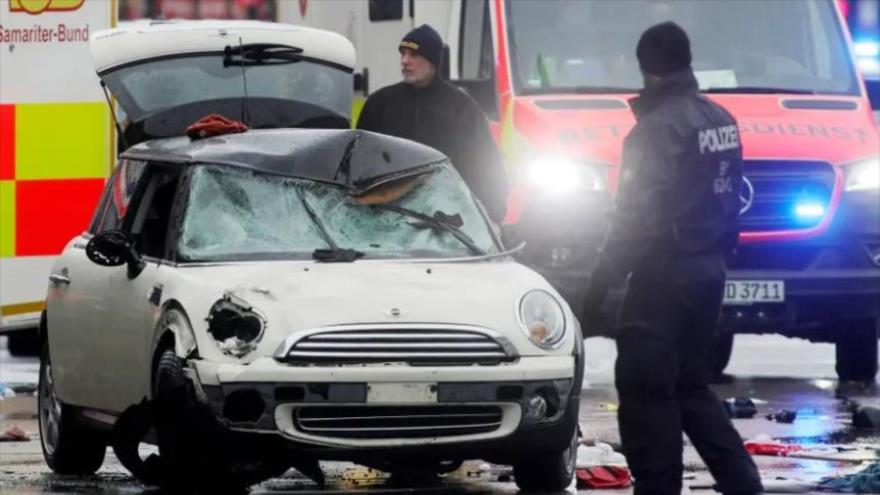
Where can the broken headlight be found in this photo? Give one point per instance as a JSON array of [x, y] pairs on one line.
[[236, 326]]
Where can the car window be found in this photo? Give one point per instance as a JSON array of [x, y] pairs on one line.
[[240, 214], [150, 227], [118, 194]]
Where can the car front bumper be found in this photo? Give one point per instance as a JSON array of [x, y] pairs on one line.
[[269, 399]]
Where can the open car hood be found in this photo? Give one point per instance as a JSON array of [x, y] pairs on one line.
[[355, 159]]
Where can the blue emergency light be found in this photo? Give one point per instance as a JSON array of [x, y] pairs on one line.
[[809, 211]]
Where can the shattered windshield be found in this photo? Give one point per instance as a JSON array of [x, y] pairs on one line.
[[235, 214]]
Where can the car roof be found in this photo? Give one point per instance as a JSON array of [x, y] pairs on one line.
[[138, 42], [349, 158]]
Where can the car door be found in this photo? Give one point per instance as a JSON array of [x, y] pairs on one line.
[[133, 303], [78, 301]]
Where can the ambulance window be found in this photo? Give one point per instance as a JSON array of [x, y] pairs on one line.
[[386, 10], [475, 56], [117, 195]]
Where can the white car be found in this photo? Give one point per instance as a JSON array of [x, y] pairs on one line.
[[330, 294]]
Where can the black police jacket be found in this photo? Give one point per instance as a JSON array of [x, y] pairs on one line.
[[679, 185], [446, 118]]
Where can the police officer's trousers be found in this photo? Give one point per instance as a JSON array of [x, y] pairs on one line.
[[665, 341]]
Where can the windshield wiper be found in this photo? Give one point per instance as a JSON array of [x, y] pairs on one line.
[[758, 90], [440, 221], [260, 54], [335, 254]]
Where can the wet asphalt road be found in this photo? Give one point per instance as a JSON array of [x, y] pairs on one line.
[[786, 373]]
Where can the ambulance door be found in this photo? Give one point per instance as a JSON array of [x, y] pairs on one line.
[[383, 24]]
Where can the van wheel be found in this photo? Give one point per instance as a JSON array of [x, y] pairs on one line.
[[722, 352], [551, 472], [24, 343], [69, 447], [857, 350]]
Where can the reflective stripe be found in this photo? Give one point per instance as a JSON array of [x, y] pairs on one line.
[[7, 218], [23, 308], [357, 105], [7, 142], [51, 212], [61, 140]]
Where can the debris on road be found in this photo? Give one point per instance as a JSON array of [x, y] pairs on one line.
[[865, 481], [600, 467], [784, 416], [740, 407], [497, 472], [15, 434], [765, 446], [603, 477], [598, 454]]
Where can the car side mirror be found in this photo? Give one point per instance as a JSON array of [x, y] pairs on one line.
[[115, 248]]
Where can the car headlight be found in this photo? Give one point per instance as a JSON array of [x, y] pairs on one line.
[[236, 326], [561, 176], [864, 175], [542, 319]]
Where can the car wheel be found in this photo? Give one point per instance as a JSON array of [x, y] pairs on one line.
[[857, 350], [722, 352], [69, 447], [24, 343], [551, 472], [193, 449]]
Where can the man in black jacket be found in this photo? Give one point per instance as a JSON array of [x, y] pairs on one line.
[[427, 109], [677, 216]]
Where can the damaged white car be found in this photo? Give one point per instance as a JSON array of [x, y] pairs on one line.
[[274, 298]]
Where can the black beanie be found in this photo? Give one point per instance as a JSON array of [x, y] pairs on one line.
[[664, 49], [425, 41]]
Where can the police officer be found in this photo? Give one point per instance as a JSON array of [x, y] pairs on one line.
[[427, 109], [676, 217]]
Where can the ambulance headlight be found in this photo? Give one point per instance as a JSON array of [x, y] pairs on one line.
[[560, 176], [864, 175], [542, 319]]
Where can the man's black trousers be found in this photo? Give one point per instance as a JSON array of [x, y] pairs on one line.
[[665, 340]]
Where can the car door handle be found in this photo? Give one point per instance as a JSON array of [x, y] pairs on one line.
[[59, 279]]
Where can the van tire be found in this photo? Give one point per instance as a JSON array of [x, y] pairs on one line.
[[856, 346], [68, 446], [23, 343]]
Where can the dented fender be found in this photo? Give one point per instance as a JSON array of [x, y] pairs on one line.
[[174, 321]]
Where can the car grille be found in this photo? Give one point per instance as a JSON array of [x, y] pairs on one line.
[[414, 346], [779, 187], [396, 421]]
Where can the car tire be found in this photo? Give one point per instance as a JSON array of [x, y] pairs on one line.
[[69, 447], [551, 472], [170, 396], [721, 353], [23, 343], [856, 346], [193, 449]]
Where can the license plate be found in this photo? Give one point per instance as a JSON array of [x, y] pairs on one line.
[[754, 291], [402, 393]]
